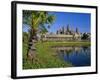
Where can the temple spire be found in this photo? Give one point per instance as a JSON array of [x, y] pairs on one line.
[[68, 29], [77, 31]]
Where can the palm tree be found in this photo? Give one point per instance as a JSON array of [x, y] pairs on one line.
[[37, 20]]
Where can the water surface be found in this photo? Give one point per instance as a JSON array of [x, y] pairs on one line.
[[77, 56]]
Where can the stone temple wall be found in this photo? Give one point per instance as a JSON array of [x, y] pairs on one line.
[[62, 37]]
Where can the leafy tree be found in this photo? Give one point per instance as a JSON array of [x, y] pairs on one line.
[[85, 36], [25, 37], [37, 19]]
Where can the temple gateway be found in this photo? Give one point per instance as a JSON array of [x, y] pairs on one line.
[[63, 34]]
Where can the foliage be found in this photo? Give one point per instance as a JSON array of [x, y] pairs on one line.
[[37, 19], [46, 57], [85, 36], [25, 37]]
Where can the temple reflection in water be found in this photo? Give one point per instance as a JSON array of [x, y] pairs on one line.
[[77, 56]]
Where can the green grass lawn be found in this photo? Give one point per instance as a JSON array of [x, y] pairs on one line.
[[46, 57]]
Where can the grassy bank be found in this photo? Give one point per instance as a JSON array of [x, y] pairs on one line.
[[68, 43], [46, 57]]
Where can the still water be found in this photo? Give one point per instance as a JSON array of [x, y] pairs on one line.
[[77, 56]]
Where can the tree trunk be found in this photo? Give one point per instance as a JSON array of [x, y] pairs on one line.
[[34, 34], [31, 38]]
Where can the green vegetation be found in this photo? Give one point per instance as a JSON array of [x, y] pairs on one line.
[[86, 43], [85, 36], [46, 56], [37, 20], [42, 56]]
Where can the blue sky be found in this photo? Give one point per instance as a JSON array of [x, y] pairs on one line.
[[79, 20]]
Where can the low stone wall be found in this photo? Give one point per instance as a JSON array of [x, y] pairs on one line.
[[61, 38]]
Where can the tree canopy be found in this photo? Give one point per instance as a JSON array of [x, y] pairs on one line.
[[38, 19]]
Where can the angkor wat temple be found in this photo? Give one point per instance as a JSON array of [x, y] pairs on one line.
[[67, 31], [64, 34]]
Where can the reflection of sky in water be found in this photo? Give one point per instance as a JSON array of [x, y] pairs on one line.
[[78, 56]]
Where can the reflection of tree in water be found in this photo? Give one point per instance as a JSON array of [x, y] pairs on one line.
[[73, 54], [86, 50]]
